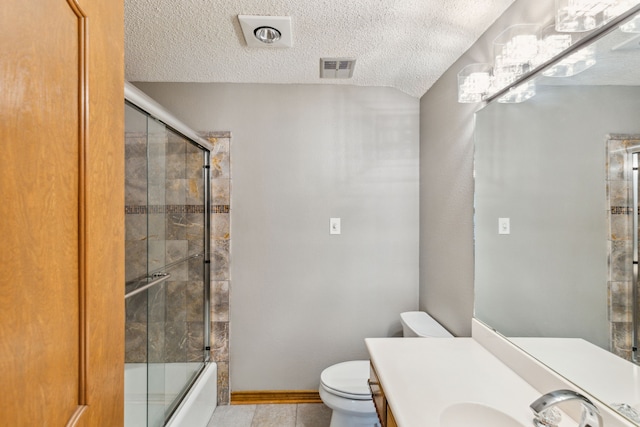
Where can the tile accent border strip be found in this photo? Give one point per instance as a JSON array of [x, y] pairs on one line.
[[162, 209], [622, 210], [256, 397], [220, 209]]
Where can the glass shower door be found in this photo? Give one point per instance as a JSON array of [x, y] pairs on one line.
[[176, 252], [156, 262], [167, 245], [136, 253]]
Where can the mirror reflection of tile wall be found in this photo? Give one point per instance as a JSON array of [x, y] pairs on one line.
[[620, 239]]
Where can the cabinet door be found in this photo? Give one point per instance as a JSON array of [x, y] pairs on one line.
[[62, 210], [391, 422]]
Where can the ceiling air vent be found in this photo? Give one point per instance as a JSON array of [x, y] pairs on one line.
[[337, 68]]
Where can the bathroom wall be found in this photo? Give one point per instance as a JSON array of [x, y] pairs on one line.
[[446, 181], [300, 298]]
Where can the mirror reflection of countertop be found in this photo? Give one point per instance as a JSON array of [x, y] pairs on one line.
[[607, 376], [422, 377]]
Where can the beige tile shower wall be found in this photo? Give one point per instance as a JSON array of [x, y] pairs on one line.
[[220, 245], [135, 198], [136, 237], [164, 217]]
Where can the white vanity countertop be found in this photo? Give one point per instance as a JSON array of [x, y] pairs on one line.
[[423, 376], [614, 380]]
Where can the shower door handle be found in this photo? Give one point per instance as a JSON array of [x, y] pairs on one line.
[[160, 278]]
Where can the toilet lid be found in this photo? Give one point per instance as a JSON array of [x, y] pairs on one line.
[[348, 378]]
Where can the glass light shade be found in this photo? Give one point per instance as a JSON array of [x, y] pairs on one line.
[[583, 15], [502, 76], [632, 26], [574, 64], [516, 52], [554, 43], [474, 82], [521, 93], [619, 8]]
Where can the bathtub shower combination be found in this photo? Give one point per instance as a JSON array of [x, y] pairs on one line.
[[168, 377]]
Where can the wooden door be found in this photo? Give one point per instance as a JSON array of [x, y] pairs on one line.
[[61, 213]]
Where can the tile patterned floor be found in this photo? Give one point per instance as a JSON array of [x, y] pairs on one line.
[[301, 415]]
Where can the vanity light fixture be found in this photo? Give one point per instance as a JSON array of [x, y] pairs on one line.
[[516, 49], [553, 43], [632, 26], [576, 63], [516, 52], [521, 48], [520, 93], [583, 15], [474, 82]]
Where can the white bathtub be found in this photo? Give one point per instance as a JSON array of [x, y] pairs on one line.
[[194, 411]]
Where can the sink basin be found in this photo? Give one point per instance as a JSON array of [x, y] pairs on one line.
[[467, 414]]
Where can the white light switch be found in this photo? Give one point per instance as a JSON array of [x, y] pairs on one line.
[[504, 226], [334, 225]]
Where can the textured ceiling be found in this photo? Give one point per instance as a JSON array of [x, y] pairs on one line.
[[406, 44]]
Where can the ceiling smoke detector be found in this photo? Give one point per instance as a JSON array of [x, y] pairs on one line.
[[337, 68], [266, 31]]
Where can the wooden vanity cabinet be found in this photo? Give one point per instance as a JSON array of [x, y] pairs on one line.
[[380, 401]]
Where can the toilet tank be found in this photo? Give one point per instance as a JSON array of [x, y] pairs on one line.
[[420, 324]]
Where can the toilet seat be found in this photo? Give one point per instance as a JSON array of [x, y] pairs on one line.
[[347, 379]]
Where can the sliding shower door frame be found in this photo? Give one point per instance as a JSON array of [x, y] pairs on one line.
[[159, 275], [635, 188]]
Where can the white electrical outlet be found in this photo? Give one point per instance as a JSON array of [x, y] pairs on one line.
[[504, 226], [334, 225]]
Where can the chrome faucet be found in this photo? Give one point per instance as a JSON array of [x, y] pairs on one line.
[[590, 414]]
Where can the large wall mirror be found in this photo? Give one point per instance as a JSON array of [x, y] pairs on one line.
[[556, 210]]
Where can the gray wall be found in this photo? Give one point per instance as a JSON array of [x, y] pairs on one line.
[[446, 181], [302, 299], [542, 164]]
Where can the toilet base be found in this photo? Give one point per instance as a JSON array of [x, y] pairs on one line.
[[339, 419], [350, 412]]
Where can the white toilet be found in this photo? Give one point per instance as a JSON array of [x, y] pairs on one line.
[[344, 386], [344, 389]]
